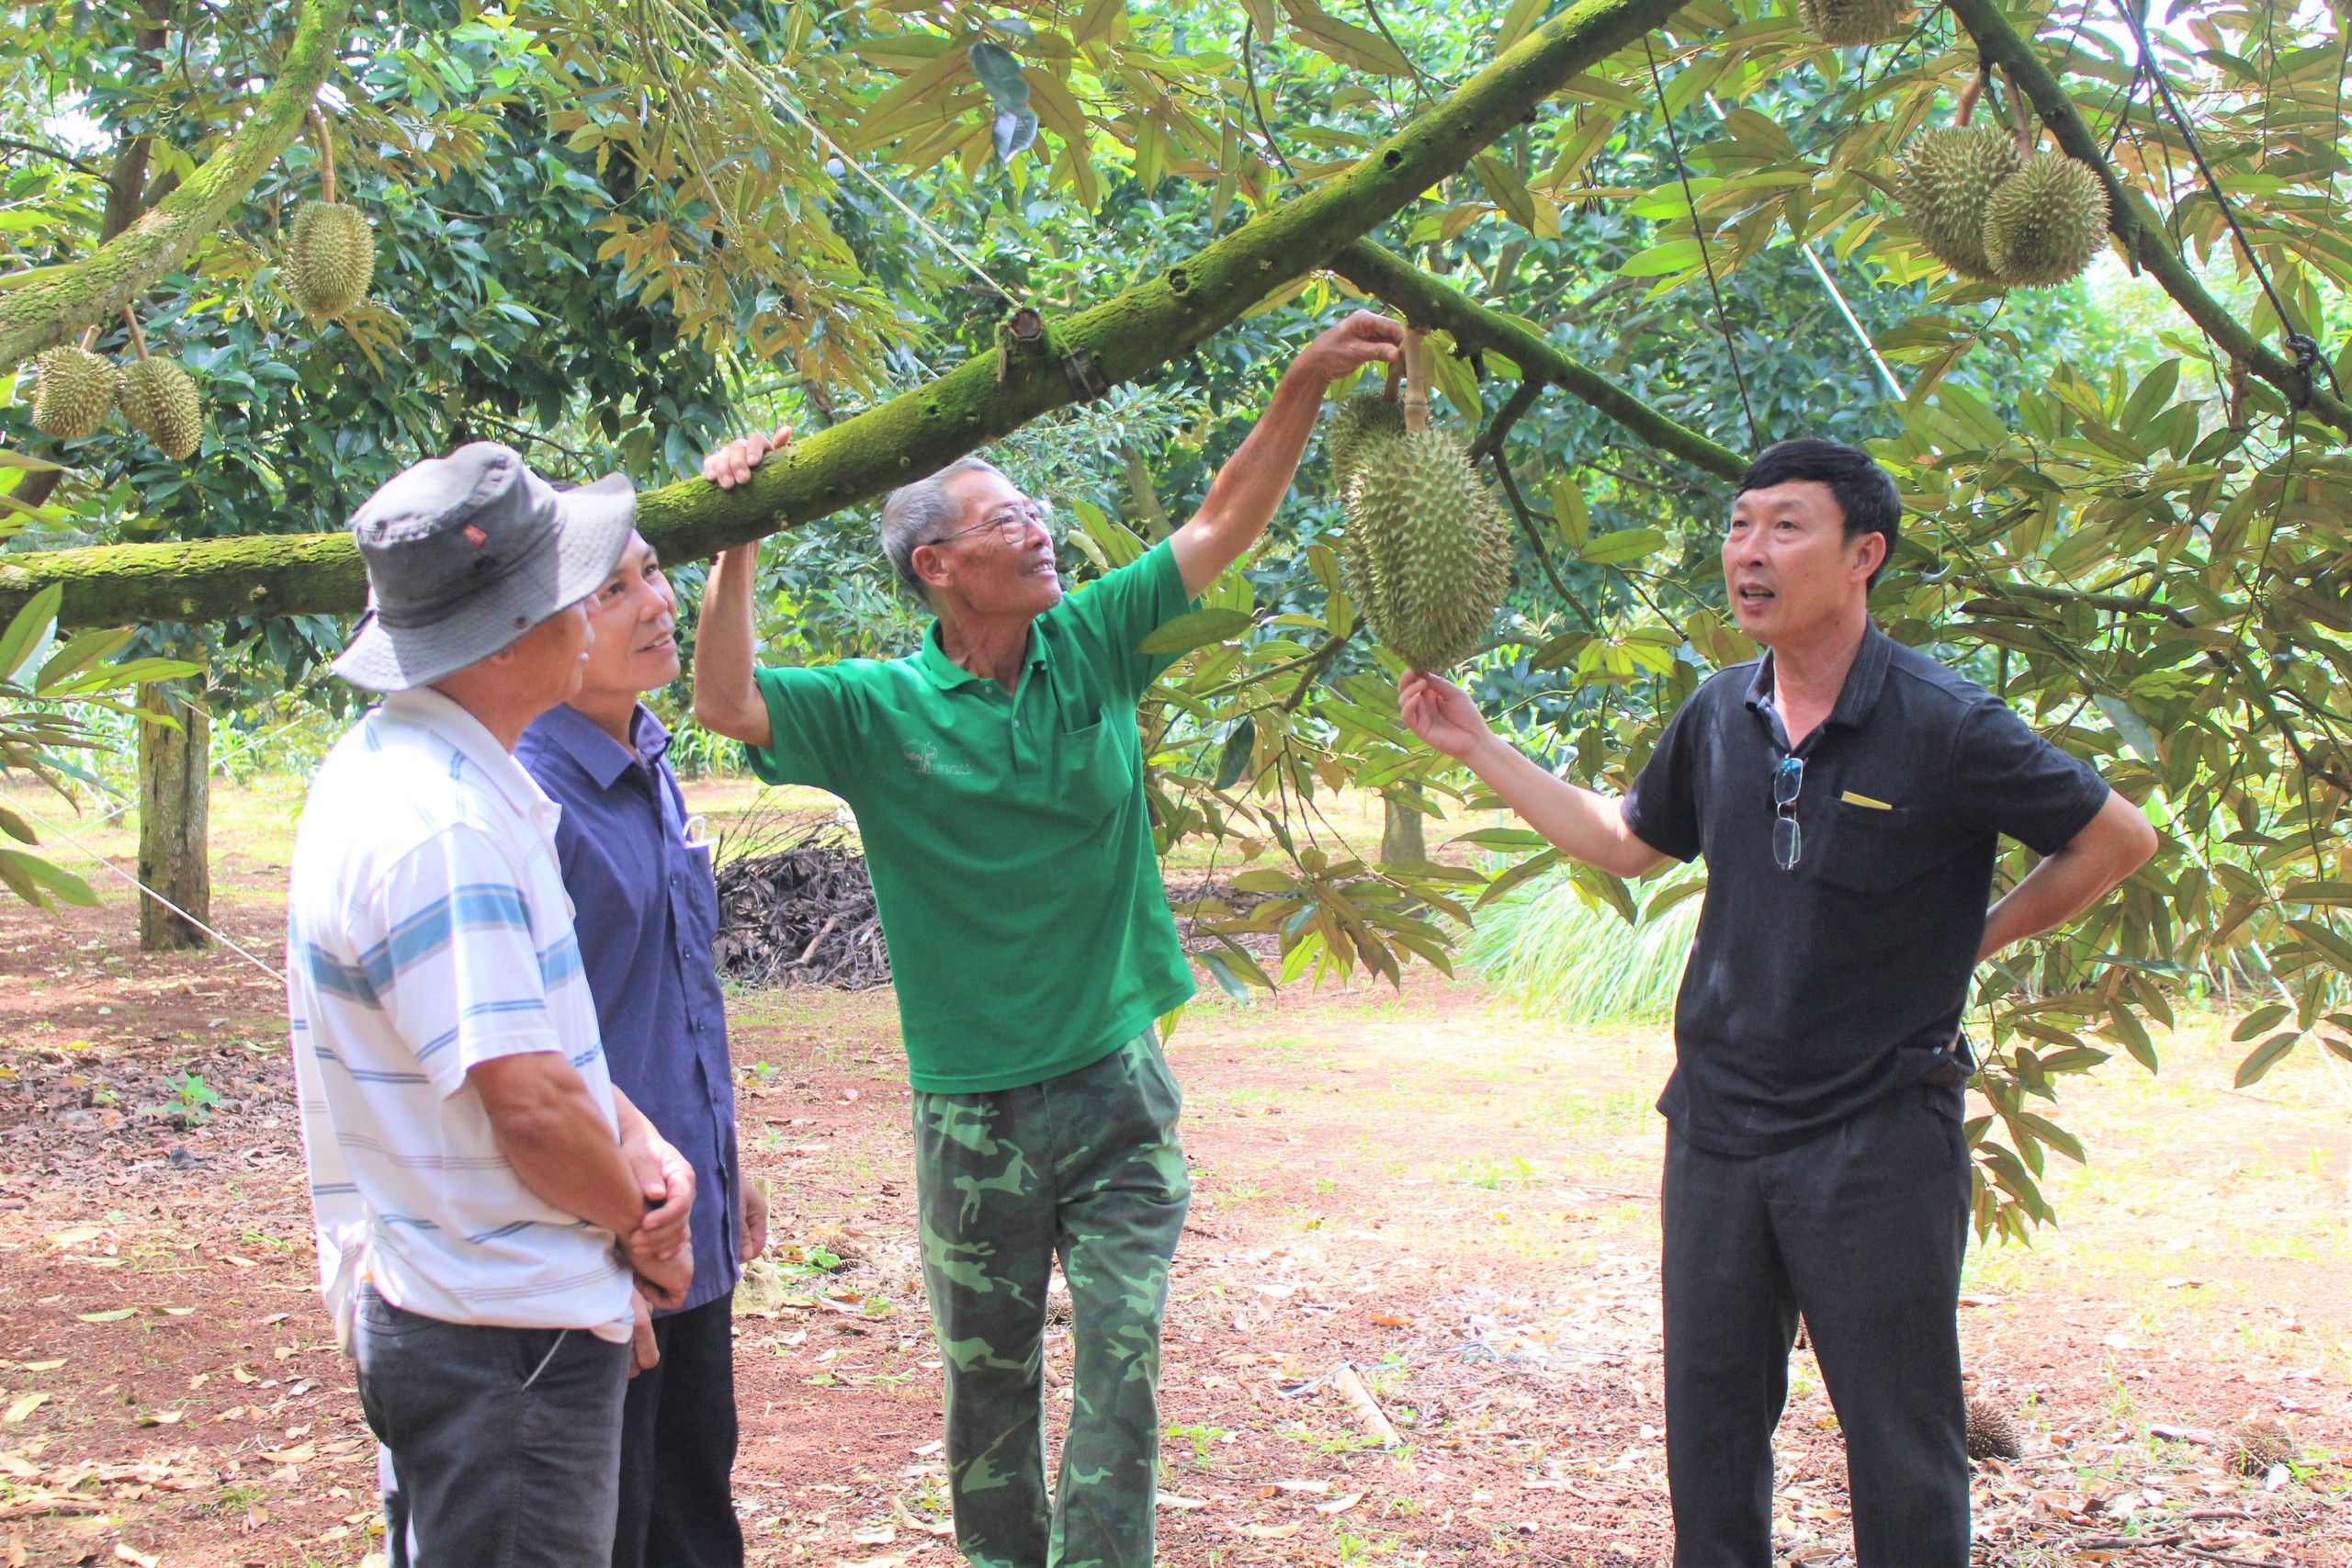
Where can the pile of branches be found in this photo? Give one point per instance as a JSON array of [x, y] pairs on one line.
[[799, 910]]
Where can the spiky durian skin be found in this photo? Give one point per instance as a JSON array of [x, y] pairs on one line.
[[1435, 550], [2258, 1443], [1945, 177], [1991, 1432], [2044, 223], [329, 258], [75, 390], [1846, 22], [160, 401], [1363, 416]]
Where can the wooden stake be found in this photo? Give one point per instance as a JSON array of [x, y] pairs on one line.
[[1344, 1377]]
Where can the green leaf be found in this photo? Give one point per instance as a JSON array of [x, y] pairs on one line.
[[2267, 1056], [1673, 893], [1195, 628], [2134, 1036], [2338, 951], [2257, 1021], [25, 632], [2327, 892], [1504, 838], [1234, 760], [1568, 511], [1507, 190], [1622, 547], [1517, 22], [37, 881], [2129, 725], [1344, 42], [1221, 969]]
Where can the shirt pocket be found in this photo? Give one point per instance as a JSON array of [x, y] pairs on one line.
[[1875, 849], [1098, 768]]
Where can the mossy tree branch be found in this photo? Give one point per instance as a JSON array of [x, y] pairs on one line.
[[2132, 217], [54, 311], [1427, 302], [917, 432]]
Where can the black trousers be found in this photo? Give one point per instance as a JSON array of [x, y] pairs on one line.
[[496, 1446], [677, 1505], [1861, 1229]]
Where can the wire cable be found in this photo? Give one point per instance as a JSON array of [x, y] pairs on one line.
[[1722, 319]]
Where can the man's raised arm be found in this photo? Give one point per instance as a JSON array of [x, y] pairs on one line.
[[1585, 825], [1243, 496]]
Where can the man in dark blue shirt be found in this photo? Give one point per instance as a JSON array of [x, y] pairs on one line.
[[1850, 795], [646, 909]]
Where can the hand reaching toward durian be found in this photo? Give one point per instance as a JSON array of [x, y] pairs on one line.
[[1443, 715]]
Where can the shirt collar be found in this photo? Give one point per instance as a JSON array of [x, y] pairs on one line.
[[448, 720], [1864, 680], [601, 757], [947, 675]]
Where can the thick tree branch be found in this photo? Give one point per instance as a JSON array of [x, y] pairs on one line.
[[53, 310], [917, 432], [2133, 219], [1429, 303]]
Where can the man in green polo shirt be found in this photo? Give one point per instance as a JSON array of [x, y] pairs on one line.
[[996, 777]]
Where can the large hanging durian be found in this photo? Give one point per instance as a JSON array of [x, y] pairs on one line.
[[329, 249], [1428, 552], [1945, 178], [73, 391], [2044, 223], [160, 401], [1854, 21], [1363, 417]]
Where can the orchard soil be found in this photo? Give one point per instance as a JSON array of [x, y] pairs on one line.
[[1423, 1196]]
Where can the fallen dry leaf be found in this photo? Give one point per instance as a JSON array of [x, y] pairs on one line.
[[1339, 1504], [25, 1406]]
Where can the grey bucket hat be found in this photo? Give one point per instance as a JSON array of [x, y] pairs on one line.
[[468, 552]]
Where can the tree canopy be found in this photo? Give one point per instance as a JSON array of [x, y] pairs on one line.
[[1649, 239]]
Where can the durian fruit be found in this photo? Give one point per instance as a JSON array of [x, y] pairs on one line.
[[1854, 21], [329, 258], [74, 391], [2257, 1443], [1945, 177], [1991, 1433], [2044, 223], [1366, 416], [160, 401], [1431, 551]]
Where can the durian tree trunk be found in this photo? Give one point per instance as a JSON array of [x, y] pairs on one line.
[[1402, 839], [174, 812], [54, 310], [919, 431], [2138, 232]]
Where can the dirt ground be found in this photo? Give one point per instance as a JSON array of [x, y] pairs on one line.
[[1431, 1197]]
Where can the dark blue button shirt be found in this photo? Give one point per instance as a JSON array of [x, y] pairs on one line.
[[646, 909]]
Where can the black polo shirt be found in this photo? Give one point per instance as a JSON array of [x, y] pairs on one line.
[[1813, 992]]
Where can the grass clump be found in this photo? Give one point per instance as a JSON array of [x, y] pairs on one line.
[[1559, 949]]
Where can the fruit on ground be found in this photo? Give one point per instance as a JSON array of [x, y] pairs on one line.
[[2257, 1443], [1992, 1432]]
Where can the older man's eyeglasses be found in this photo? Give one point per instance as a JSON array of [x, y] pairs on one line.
[[1013, 522]]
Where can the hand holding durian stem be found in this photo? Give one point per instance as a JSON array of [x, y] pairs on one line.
[[1417, 380]]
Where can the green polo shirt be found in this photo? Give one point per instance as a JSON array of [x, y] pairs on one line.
[[1011, 850]]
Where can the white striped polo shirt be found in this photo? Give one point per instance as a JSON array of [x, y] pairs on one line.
[[428, 931]]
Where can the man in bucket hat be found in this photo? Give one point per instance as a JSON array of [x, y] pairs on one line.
[[492, 1216]]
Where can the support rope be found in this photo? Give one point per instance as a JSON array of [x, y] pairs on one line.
[[1722, 319]]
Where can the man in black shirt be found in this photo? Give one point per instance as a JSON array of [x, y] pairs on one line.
[[1848, 795]]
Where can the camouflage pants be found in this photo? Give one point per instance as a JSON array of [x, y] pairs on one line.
[[1086, 1165]]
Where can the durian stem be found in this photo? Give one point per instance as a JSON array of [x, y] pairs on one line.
[[1159, 319], [138, 338], [2133, 219], [325, 144], [2021, 119], [89, 336], [1966, 109], [1417, 380]]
